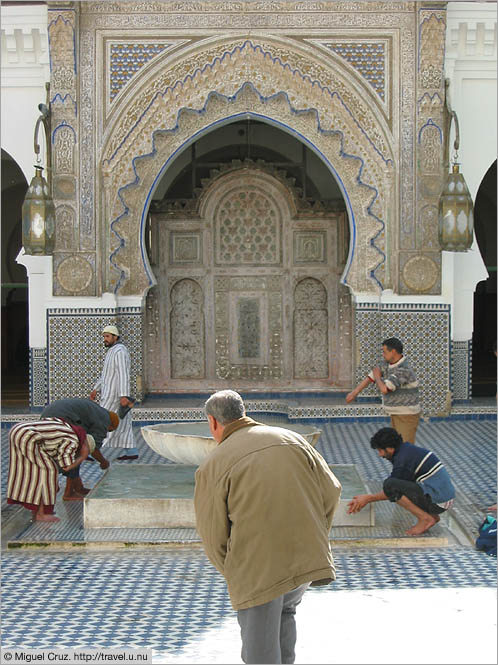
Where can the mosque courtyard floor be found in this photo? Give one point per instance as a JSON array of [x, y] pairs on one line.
[[430, 599]]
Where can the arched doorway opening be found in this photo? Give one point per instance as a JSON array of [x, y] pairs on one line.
[[15, 342], [484, 335], [248, 237]]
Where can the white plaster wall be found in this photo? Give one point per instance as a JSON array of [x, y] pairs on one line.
[[470, 64], [24, 71]]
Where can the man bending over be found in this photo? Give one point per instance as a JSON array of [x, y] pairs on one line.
[[418, 482]]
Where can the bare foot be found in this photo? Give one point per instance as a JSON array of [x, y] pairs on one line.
[[73, 497], [45, 518], [423, 525]]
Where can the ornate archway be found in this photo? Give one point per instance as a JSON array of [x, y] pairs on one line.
[[199, 89]]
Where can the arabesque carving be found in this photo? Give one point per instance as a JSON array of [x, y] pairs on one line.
[[275, 322], [358, 150]]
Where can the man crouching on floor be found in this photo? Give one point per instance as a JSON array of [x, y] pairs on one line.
[[264, 502], [418, 482]]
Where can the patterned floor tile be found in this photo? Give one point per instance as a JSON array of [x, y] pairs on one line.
[[467, 448], [167, 601]]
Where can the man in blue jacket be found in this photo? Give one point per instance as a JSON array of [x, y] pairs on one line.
[[418, 482]]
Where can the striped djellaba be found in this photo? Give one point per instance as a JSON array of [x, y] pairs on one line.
[[36, 448]]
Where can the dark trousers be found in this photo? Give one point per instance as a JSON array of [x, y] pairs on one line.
[[394, 489], [268, 631]]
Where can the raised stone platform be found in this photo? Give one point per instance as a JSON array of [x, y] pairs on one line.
[[161, 496]]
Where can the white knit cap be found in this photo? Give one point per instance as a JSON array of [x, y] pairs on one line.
[[111, 330]]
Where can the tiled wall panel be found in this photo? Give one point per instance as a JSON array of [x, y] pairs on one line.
[[425, 333], [76, 349], [461, 369]]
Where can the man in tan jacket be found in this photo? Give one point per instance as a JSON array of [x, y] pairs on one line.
[[264, 503]]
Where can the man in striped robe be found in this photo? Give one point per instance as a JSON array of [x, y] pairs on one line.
[[114, 386], [419, 483], [37, 451]]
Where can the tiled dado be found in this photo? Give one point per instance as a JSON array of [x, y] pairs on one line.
[[76, 350], [461, 369], [73, 360], [425, 332], [37, 377], [282, 407]]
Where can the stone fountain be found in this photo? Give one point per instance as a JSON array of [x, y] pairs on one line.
[[161, 495], [191, 443]]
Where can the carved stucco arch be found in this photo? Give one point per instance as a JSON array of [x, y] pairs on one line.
[[200, 91]]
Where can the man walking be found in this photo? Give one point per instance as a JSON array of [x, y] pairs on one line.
[[418, 482], [264, 502], [95, 420], [114, 386], [398, 385]]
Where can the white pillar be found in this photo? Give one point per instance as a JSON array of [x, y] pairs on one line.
[[39, 269]]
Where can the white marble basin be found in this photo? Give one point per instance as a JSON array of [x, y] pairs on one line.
[[191, 442]]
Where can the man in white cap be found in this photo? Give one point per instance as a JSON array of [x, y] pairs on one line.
[[114, 386]]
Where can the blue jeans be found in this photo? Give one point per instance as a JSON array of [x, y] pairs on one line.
[[394, 489], [268, 631]]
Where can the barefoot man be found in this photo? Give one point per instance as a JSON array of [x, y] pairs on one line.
[[38, 450], [418, 483]]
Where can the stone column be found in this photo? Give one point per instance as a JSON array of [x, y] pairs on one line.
[[39, 269], [420, 268], [74, 265]]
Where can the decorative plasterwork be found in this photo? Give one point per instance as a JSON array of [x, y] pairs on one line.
[[287, 88], [297, 28], [264, 306], [263, 7], [419, 271]]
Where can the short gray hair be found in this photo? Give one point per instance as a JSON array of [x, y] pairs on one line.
[[225, 406]]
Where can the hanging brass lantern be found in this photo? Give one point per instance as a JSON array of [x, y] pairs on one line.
[[38, 210], [456, 210], [456, 214], [38, 217]]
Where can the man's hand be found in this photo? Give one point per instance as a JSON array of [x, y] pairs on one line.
[[358, 502], [350, 397], [124, 401], [104, 464], [93, 395]]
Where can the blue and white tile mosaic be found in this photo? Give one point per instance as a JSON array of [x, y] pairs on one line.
[[76, 350], [126, 59], [167, 600], [38, 377], [467, 448], [367, 58], [461, 369], [425, 333]]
